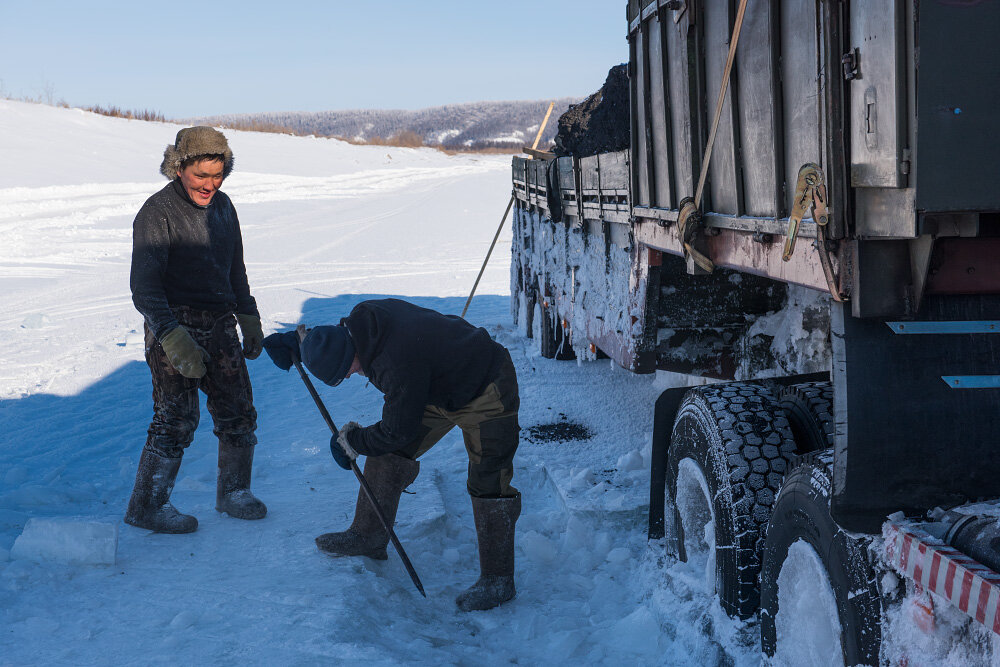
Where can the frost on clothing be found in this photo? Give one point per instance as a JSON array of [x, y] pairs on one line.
[[416, 357], [184, 254]]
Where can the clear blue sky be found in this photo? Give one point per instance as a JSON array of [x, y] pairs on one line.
[[191, 58]]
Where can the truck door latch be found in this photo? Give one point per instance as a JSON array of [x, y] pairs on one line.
[[849, 61]]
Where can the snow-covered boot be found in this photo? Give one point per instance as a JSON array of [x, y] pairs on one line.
[[387, 476], [495, 519], [232, 491], [150, 506]]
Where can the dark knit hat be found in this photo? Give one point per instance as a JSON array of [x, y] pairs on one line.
[[328, 353], [192, 142]]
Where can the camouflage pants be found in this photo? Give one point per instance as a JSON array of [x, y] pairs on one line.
[[490, 430], [226, 385]]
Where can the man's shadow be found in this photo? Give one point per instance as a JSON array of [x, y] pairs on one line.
[[77, 455]]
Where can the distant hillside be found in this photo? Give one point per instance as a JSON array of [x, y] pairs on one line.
[[476, 125]]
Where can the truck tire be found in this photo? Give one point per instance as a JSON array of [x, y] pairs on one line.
[[729, 451], [809, 408], [806, 552], [552, 341]]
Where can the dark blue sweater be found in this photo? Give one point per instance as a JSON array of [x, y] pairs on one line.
[[184, 254], [416, 357]]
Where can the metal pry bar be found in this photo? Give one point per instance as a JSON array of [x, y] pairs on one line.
[[361, 479]]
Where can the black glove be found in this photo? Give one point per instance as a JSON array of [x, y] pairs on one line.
[[342, 452], [280, 347]]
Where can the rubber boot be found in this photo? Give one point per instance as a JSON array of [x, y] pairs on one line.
[[495, 519], [232, 490], [150, 506], [387, 476]]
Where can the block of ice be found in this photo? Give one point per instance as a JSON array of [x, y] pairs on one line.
[[36, 321], [135, 339], [63, 540]]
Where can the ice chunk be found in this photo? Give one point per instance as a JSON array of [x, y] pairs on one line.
[[135, 339], [618, 556], [67, 541], [638, 632], [538, 547], [36, 321], [630, 461]]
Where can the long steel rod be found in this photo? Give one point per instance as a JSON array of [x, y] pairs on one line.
[[488, 253], [361, 479], [538, 137]]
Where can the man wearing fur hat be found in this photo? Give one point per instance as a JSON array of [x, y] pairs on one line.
[[437, 372], [189, 283]]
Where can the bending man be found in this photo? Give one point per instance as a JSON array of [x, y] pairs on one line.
[[437, 372]]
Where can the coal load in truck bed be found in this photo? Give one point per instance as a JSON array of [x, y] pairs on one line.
[[599, 124]]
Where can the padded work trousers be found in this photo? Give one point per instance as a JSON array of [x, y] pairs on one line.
[[490, 429], [226, 386]]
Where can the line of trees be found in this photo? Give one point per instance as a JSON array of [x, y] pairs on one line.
[[473, 126]]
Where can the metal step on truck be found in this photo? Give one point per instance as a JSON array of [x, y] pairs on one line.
[[808, 215]]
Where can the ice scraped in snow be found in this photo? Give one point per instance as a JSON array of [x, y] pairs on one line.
[[67, 541]]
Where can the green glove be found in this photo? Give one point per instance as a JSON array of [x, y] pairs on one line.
[[253, 335], [184, 354]]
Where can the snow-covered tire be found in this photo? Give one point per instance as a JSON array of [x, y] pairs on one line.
[[809, 408], [801, 517], [552, 341], [737, 439]]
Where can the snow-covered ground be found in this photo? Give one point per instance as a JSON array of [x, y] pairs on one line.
[[325, 225]]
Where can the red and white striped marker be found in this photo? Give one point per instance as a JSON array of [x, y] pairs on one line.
[[948, 573]]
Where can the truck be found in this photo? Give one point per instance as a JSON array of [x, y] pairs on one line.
[[805, 217]]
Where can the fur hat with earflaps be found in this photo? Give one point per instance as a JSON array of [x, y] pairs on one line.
[[192, 142]]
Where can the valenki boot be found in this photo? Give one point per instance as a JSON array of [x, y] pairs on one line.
[[149, 507], [388, 475], [495, 519], [232, 491]]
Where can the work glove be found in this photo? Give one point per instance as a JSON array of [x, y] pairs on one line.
[[280, 347], [342, 451], [253, 335], [184, 354]]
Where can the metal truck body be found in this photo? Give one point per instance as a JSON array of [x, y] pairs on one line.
[[885, 317]]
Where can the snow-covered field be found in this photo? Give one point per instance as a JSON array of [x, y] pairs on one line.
[[325, 225]]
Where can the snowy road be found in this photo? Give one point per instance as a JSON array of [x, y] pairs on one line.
[[325, 225]]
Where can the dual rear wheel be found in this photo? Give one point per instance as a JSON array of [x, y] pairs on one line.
[[753, 514]]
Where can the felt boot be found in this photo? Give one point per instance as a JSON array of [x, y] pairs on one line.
[[388, 475], [495, 519], [232, 491], [150, 506]]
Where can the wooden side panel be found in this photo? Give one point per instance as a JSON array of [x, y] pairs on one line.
[[722, 170], [678, 91], [801, 92], [641, 131], [662, 190], [758, 117]]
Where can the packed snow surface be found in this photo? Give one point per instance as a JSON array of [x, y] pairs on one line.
[[325, 225]]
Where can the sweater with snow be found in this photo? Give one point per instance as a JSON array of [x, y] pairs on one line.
[[416, 357], [184, 254]]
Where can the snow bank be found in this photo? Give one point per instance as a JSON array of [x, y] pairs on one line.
[[76, 541]]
